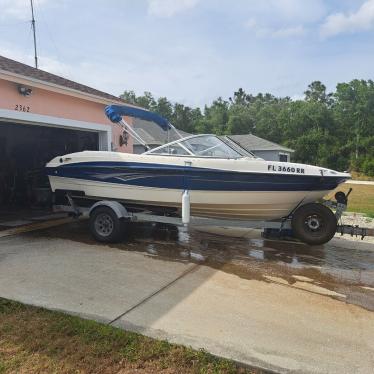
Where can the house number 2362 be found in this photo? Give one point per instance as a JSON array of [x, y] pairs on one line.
[[22, 108]]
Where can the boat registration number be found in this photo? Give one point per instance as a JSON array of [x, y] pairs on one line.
[[286, 169]]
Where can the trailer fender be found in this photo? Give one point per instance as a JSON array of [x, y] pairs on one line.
[[118, 208]]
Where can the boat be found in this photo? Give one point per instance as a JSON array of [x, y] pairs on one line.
[[222, 179]]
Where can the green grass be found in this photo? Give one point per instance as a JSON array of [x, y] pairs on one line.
[[361, 177], [36, 340], [361, 199]]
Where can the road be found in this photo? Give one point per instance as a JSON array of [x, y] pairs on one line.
[[280, 306], [370, 183]]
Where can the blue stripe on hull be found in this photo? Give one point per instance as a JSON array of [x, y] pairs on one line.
[[185, 177]]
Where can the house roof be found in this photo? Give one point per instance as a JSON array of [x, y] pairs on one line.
[[152, 134], [252, 143], [15, 67]]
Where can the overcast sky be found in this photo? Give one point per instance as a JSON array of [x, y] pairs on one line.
[[193, 51]]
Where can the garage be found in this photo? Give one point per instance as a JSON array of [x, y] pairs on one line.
[[43, 115], [22, 180]]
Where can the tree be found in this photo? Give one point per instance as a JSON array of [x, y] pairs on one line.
[[146, 101], [241, 97], [240, 120], [164, 108], [185, 118], [317, 92], [354, 110], [334, 130], [216, 117]]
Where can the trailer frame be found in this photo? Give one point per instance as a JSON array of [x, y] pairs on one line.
[[275, 229]]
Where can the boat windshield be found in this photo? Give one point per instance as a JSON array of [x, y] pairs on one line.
[[197, 146]]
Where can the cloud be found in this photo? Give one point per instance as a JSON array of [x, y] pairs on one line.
[[297, 97], [284, 11], [19, 9], [339, 23], [251, 24], [46, 63], [17, 55], [169, 8], [187, 68], [302, 10], [270, 32], [286, 32]]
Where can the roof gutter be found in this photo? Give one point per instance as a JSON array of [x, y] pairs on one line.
[[275, 149]]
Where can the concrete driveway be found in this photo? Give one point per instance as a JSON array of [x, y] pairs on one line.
[[280, 306]]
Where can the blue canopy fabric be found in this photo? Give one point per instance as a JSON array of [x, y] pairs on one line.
[[115, 113]]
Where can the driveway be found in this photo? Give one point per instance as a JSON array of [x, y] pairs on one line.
[[278, 305], [369, 183]]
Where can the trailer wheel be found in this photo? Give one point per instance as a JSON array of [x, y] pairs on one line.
[[314, 224], [105, 226]]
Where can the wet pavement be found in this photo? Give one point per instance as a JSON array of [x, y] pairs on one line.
[[341, 269], [281, 306], [20, 217]]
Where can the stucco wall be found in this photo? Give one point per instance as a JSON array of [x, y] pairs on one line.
[[45, 102]]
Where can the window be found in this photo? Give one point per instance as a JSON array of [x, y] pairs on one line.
[[172, 149], [197, 146], [283, 157], [210, 146]]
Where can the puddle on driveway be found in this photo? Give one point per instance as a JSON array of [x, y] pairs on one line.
[[345, 272]]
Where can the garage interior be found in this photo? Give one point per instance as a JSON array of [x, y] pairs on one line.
[[24, 151]]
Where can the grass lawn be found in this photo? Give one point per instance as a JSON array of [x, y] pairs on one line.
[[361, 199], [36, 340]]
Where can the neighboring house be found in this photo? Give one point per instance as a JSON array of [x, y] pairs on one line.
[[152, 134], [262, 148]]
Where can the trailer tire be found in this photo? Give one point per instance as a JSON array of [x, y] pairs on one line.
[[314, 224], [105, 226]]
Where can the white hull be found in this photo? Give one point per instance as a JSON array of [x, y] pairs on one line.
[[226, 204]]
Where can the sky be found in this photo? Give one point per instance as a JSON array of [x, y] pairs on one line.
[[193, 51]]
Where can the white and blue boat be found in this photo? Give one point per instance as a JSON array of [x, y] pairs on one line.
[[222, 179]]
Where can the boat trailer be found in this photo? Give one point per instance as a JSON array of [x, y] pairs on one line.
[[107, 218]]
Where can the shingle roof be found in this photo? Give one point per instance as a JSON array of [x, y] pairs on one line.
[[28, 71], [254, 143], [147, 137], [152, 134]]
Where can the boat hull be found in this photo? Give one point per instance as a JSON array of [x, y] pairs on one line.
[[227, 188], [254, 205]]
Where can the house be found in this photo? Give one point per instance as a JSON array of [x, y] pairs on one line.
[[154, 137], [43, 115], [262, 148]]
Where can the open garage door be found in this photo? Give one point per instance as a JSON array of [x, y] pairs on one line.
[[24, 151]]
